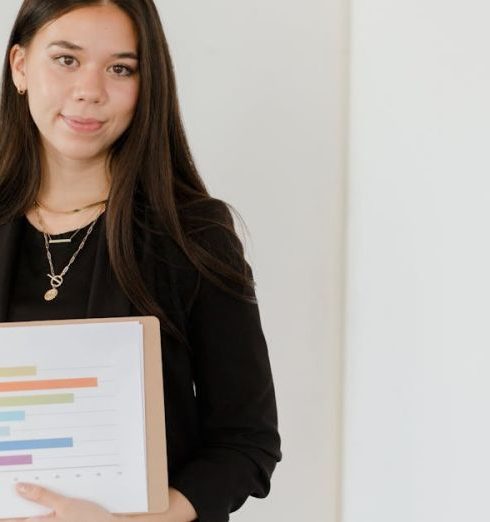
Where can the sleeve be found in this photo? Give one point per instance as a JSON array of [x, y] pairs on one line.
[[236, 401]]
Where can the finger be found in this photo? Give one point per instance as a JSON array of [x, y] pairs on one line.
[[40, 495]]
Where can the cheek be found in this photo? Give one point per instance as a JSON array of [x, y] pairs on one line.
[[46, 98], [125, 98], [47, 81]]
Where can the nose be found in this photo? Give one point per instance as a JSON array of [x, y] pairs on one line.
[[89, 86]]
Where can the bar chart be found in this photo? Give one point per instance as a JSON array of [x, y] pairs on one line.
[[72, 413]]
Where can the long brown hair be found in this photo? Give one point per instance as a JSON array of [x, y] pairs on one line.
[[155, 183]]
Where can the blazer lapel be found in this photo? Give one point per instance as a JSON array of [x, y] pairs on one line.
[[106, 297], [9, 241]]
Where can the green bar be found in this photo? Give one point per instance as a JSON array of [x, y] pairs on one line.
[[25, 400], [18, 371]]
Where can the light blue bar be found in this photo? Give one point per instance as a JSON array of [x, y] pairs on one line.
[[36, 444], [4, 431], [12, 415]]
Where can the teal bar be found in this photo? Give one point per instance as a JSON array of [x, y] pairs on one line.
[[4, 431], [26, 400], [12, 416]]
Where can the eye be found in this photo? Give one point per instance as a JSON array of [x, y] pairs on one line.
[[65, 60], [122, 70]]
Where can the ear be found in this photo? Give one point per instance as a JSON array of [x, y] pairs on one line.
[[17, 57]]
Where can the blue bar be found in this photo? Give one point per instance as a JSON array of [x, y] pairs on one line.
[[36, 444], [12, 415], [4, 431]]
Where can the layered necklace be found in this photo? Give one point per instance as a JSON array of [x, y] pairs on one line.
[[56, 280]]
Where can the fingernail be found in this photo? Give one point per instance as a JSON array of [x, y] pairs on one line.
[[22, 488]]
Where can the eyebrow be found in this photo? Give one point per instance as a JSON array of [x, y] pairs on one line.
[[73, 47]]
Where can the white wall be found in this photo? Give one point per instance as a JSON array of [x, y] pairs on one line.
[[263, 91], [417, 341], [263, 95]]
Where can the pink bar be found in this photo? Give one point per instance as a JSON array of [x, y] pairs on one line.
[[12, 460]]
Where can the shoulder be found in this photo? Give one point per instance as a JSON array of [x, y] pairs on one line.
[[209, 228], [211, 251]]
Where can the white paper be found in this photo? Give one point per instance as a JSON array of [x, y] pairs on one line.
[[93, 445]]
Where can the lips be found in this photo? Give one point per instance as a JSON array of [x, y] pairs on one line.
[[82, 124]]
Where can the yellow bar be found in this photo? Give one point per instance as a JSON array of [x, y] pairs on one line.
[[18, 371]]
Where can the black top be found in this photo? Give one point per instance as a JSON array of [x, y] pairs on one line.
[[31, 282], [220, 409]]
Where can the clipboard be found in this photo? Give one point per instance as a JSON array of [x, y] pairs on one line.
[[156, 466]]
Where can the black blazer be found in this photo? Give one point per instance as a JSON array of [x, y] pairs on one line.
[[221, 420]]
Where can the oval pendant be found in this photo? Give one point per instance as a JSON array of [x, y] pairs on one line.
[[50, 294]]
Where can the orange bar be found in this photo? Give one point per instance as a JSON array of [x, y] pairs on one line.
[[85, 382]]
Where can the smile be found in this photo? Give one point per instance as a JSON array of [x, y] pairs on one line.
[[81, 125]]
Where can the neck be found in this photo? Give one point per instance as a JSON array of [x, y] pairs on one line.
[[68, 184]]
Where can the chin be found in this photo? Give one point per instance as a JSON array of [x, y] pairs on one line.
[[80, 155], [75, 150]]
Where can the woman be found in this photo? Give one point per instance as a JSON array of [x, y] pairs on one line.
[[103, 214]]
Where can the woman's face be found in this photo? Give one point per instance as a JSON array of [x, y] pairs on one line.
[[82, 80]]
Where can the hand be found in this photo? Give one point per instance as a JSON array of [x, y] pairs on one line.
[[65, 509]]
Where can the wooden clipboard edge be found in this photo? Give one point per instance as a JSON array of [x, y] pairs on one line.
[[156, 447], [155, 418]]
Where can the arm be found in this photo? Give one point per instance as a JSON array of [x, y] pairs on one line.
[[180, 510], [235, 396]]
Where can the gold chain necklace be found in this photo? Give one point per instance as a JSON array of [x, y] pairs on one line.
[[74, 211], [65, 239], [37, 206], [57, 280]]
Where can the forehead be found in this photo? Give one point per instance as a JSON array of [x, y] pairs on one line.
[[100, 27]]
